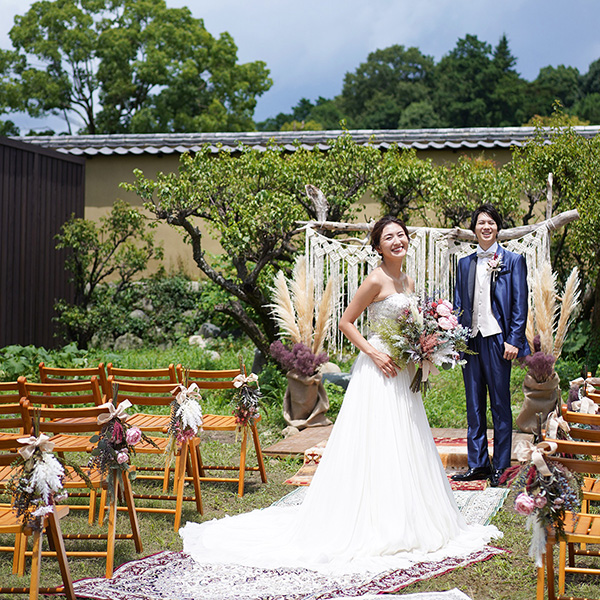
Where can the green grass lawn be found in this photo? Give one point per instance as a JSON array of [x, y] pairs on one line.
[[510, 576]]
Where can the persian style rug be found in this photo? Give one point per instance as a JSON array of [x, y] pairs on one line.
[[176, 576]]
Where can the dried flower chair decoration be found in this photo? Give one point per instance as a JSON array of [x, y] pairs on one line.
[[306, 326], [246, 409], [185, 417], [36, 484]]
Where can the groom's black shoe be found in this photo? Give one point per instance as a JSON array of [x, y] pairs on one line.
[[495, 477], [473, 474]]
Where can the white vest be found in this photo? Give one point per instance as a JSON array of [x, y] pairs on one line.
[[483, 320]]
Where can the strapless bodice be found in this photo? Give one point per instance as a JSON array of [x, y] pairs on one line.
[[388, 308]]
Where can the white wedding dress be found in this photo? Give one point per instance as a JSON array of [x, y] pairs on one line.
[[380, 498]]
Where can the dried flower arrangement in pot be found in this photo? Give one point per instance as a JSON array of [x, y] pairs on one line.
[[304, 324], [547, 325]]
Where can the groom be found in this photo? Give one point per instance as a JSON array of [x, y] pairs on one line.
[[492, 298]]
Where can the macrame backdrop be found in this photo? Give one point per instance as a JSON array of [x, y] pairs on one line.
[[431, 261]]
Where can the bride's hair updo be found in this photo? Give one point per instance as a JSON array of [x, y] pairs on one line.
[[380, 226]]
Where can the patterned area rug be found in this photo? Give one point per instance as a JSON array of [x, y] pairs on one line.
[[175, 576]]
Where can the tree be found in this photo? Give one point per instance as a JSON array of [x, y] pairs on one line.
[[403, 182], [375, 95], [119, 247], [128, 66], [554, 84], [252, 202]]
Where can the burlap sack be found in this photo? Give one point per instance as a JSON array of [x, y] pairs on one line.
[[305, 402], [539, 398]]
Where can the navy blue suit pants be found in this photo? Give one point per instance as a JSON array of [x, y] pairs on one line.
[[487, 371]]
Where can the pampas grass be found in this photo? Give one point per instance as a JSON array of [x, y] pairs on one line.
[[295, 311], [568, 304], [547, 317], [544, 304]]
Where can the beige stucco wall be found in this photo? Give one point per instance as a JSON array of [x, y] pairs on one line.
[[104, 173]]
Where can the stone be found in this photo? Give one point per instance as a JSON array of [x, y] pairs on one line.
[[208, 330], [289, 431], [197, 340], [127, 341], [138, 314], [341, 379]]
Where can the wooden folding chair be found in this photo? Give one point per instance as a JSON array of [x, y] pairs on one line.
[[83, 423], [159, 394], [582, 528], [223, 380], [75, 375], [145, 421], [10, 416], [9, 524]]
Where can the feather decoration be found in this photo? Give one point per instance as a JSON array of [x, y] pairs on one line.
[[283, 308], [302, 288], [323, 319], [568, 304]]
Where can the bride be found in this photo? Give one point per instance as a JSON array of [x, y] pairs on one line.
[[380, 498]]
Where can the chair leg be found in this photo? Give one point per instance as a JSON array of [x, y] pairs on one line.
[[540, 582], [36, 559], [193, 456], [562, 563], [550, 571], [20, 547], [102, 509], [259, 455], [92, 509], [242, 462], [54, 533], [22, 550], [112, 528], [179, 481], [133, 518], [200, 463], [166, 475]]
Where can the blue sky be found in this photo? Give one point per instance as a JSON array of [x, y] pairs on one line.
[[310, 45]]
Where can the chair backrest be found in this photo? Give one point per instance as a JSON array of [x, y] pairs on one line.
[[149, 376], [9, 392], [208, 380], [75, 375], [567, 453], [62, 394], [143, 393], [52, 420]]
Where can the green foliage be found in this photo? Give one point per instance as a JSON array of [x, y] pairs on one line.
[[119, 246], [251, 203], [128, 66], [24, 360]]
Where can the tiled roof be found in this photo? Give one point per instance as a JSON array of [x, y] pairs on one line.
[[177, 143]]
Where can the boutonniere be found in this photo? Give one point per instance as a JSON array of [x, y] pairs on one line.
[[494, 266]]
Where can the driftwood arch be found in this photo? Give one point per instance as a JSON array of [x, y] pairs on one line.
[[431, 260]]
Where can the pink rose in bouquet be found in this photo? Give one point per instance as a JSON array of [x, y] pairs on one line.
[[524, 504], [133, 436]]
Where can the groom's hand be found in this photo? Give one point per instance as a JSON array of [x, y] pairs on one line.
[[510, 351]]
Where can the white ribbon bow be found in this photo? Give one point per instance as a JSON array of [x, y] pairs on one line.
[[31, 443], [585, 405], [118, 412], [184, 393], [527, 452], [242, 379], [428, 368], [553, 424]]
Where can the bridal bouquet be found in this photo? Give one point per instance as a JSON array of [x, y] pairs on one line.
[[427, 333]]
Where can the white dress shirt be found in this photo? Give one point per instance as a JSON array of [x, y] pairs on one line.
[[483, 320]]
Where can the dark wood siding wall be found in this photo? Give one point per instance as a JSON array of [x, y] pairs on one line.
[[39, 190]]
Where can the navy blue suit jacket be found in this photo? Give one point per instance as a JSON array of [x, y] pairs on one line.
[[509, 293]]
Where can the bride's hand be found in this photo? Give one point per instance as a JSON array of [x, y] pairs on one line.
[[386, 363]]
